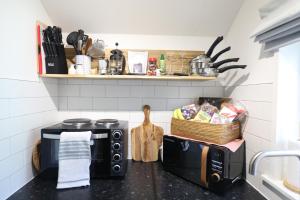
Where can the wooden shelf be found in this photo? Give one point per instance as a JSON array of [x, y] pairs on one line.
[[129, 77]]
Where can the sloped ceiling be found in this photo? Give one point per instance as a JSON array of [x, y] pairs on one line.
[[151, 17]]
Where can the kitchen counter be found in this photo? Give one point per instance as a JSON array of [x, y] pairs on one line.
[[142, 181]]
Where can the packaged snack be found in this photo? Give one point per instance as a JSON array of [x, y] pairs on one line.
[[229, 114], [189, 111], [216, 119], [202, 117], [208, 108]]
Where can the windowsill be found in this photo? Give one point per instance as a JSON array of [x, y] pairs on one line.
[[279, 188]]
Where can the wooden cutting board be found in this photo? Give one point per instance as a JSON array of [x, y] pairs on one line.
[[146, 139]]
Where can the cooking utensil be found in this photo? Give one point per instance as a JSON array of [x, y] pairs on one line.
[[217, 64], [72, 39], [146, 139], [88, 44], [215, 57], [212, 47], [214, 72]]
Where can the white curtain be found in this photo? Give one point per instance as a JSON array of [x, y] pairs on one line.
[[280, 24]]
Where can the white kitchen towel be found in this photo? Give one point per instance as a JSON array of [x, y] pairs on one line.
[[74, 159]]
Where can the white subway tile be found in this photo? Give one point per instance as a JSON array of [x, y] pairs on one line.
[[4, 108], [136, 117], [79, 81], [62, 103], [129, 104], [256, 144], [21, 177], [191, 92], [260, 110], [5, 188], [203, 83], [213, 92], [80, 103], [130, 82], [179, 83], [110, 104], [259, 128], [23, 106], [142, 91], [167, 92], [68, 90], [92, 91], [105, 82], [6, 127], [28, 155], [156, 82], [62, 81], [4, 148], [161, 116], [11, 164], [155, 104], [118, 91], [258, 92]]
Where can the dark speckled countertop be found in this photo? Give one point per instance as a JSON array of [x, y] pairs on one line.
[[143, 181]]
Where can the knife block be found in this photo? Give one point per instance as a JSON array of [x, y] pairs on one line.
[[57, 64]]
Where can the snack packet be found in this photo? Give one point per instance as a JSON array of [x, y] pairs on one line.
[[227, 113], [208, 108], [202, 117], [189, 111]]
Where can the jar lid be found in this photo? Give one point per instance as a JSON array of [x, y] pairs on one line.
[[152, 59]]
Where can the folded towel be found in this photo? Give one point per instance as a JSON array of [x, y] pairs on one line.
[[74, 159]]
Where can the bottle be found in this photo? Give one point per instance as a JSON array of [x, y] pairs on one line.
[[162, 64]]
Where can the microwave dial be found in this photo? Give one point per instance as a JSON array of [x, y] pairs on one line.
[[116, 168], [215, 177], [117, 134]]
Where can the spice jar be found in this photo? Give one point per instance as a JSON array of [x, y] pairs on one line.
[[152, 66]]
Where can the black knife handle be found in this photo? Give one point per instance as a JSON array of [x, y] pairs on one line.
[[217, 64], [212, 47], [213, 59], [223, 69]]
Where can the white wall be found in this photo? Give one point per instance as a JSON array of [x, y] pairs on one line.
[[256, 87], [26, 103]]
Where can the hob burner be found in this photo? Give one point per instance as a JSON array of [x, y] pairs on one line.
[[77, 122], [106, 122]]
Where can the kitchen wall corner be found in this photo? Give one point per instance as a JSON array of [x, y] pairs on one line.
[[27, 103]]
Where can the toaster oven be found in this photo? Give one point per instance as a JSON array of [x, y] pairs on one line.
[[211, 166], [108, 148]]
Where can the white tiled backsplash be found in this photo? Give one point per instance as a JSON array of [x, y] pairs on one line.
[[131, 95], [25, 106]]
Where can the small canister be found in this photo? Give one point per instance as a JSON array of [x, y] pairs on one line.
[[152, 66]]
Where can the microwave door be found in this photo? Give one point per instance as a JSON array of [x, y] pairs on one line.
[[184, 158]]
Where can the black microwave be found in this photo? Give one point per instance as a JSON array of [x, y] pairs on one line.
[[108, 149], [211, 166]]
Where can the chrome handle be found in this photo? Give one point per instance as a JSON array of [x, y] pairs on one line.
[[57, 137]]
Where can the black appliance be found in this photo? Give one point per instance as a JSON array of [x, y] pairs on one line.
[[211, 166], [55, 58], [117, 62], [108, 146]]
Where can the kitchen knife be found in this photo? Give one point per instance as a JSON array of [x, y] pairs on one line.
[[217, 64], [223, 69], [213, 59], [212, 47]]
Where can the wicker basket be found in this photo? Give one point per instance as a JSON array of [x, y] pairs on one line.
[[214, 133]]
